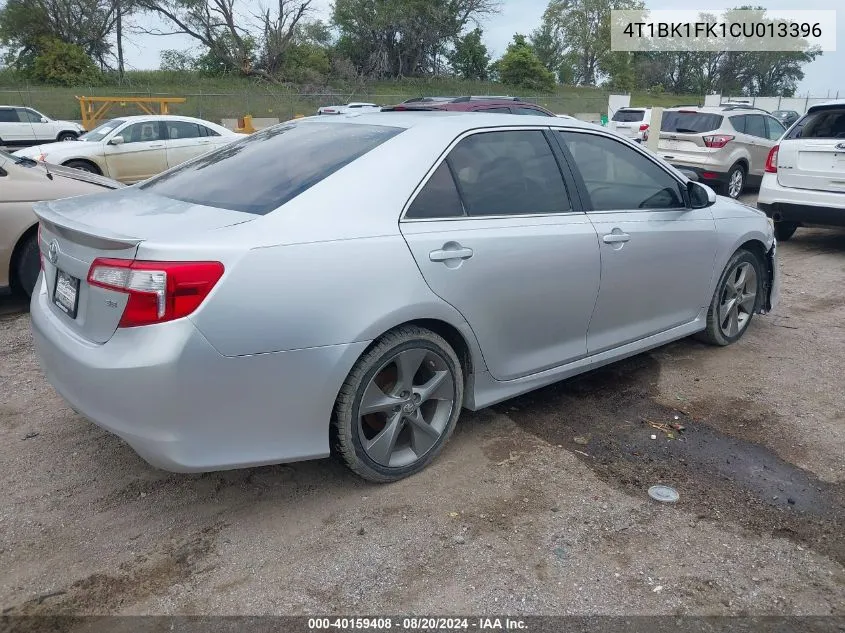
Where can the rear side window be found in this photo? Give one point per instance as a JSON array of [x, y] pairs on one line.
[[739, 123], [689, 122], [182, 129], [9, 116], [628, 116], [530, 112], [828, 123], [755, 125], [775, 128], [508, 173], [439, 197], [494, 110], [268, 168]]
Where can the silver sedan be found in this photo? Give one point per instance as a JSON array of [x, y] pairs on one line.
[[347, 285]]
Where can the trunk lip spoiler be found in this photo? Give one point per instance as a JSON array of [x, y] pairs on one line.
[[58, 223]]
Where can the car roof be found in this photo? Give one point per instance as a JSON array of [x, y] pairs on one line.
[[457, 120], [827, 104]]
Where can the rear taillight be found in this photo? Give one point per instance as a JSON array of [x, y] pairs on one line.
[[643, 127], [772, 160], [717, 140], [40, 252], [158, 291]]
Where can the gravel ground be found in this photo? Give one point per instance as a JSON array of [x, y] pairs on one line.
[[537, 506]]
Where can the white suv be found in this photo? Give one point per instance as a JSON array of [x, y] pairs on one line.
[[632, 123], [21, 127], [804, 180]]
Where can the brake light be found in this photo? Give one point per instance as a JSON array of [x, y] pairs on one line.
[[40, 252], [717, 141], [158, 291], [772, 160], [643, 127]]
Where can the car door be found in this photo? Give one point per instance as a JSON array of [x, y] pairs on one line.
[[141, 155], [184, 141], [757, 138], [12, 131], [40, 131], [495, 234], [812, 156], [657, 255]]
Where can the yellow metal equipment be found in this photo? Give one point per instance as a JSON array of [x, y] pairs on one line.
[[245, 125], [94, 109]]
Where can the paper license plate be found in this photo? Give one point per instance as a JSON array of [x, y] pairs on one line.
[[66, 294]]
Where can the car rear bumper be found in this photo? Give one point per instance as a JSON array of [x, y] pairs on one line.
[[183, 406], [705, 176], [786, 204]]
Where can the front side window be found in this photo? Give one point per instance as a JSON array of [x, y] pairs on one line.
[[142, 132], [102, 131], [268, 168], [28, 116], [618, 177], [508, 173]]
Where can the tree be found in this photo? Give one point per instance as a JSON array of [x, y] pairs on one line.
[[27, 25], [64, 64], [470, 59], [547, 44], [519, 66], [402, 37], [584, 28], [233, 43]]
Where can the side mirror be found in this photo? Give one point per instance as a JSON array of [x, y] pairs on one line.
[[117, 140], [44, 119], [700, 195]]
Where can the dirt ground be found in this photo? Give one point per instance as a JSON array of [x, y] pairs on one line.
[[538, 505]]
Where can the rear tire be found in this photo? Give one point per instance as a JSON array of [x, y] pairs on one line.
[[84, 165], [27, 266], [412, 383], [66, 136], [736, 182], [737, 297], [785, 230]]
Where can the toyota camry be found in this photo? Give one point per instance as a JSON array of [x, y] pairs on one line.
[[347, 285]]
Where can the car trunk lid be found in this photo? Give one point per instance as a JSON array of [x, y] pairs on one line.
[[74, 232], [684, 131], [812, 163]]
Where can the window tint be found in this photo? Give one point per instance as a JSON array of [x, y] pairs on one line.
[[828, 123], [530, 112], [182, 129], [439, 198], [495, 110], [775, 127], [28, 116], [628, 116], [618, 177], [142, 132], [268, 168], [508, 173], [690, 122], [738, 122], [9, 116], [755, 125]]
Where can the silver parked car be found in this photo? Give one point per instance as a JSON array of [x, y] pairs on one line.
[[348, 284], [725, 145]]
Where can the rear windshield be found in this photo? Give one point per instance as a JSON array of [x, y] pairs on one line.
[[269, 168], [628, 116], [690, 122], [826, 123]]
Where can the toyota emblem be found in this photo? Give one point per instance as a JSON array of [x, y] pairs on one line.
[[53, 252]]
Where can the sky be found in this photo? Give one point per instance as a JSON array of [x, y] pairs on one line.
[[823, 77]]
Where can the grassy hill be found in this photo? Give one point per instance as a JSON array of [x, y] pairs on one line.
[[228, 97]]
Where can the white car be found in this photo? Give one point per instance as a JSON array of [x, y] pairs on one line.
[[632, 123], [354, 106], [20, 126], [804, 178], [133, 148]]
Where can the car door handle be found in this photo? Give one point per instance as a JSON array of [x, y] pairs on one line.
[[156, 146], [450, 251], [615, 238]]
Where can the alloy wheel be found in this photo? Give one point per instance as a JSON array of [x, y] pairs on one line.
[[738, 298], [735, 183]]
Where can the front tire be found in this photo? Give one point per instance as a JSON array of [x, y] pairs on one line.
[[83, 165], [736, 182], [785, 230], [399, 405], [737, 297], [27, 266]]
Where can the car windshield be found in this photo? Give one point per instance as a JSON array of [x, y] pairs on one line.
[[628, 116], [270, 167], [102, 131], [690, 122]]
